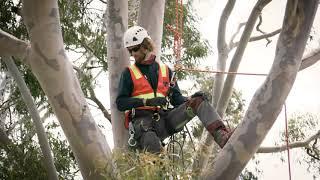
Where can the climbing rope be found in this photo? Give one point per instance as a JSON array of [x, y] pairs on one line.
[[287, 139], [177, 31]]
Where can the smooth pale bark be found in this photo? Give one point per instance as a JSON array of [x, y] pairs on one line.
[[42, 136], [118, 59], [228, 84], [223, 95], [206, 142], [150, 16], [10, 45], [55, 74], [269, 98]]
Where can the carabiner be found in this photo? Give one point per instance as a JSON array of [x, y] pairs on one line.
[[156, 116], [132, 142]]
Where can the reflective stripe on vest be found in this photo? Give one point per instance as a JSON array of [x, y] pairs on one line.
[[141, 86]]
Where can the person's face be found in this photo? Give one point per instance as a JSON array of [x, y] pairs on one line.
[[137, 53]]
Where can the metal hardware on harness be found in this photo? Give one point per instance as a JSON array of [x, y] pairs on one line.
[[133, 112], [156, 116], [132, 142]]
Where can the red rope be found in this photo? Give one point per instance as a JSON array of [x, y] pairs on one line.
[[287, 140], [177, 30]]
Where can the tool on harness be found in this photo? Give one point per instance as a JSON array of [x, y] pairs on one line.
[[132, 142], [171, 85]]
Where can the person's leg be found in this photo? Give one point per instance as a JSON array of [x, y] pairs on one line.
[[177, 118], [147, 138], [210, 119], [207, 114], [150, 142]]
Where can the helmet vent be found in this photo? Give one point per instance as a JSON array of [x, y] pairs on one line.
[[134, 39]]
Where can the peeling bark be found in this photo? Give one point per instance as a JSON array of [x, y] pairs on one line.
[[269, 98]]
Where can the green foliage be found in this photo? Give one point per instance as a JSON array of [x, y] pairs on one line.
[[247, 175], [23, 158], [193, 46], [82, 29], [301, 127], [11, 22]]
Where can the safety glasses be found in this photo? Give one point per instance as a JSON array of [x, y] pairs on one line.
[[134, 49]]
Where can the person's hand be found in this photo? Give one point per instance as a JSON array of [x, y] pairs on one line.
[[157, 101]]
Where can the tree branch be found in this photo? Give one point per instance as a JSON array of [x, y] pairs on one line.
[[12, 46], [291, 146], [237, 57], [100, 105], [93, 96], [310, 60], [42, 137], [262, 32], [105, 2], [231, 43], [257, 38]]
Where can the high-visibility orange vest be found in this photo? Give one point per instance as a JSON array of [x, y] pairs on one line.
[[143, 89]]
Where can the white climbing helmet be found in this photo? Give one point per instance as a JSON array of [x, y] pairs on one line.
[[134, 36]]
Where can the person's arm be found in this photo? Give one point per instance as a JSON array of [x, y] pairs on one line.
[[176, 98], [124, 100]]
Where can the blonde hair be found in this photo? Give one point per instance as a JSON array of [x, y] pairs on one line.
[[148, 44]]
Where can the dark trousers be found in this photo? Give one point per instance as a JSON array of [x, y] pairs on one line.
[[151, 131]]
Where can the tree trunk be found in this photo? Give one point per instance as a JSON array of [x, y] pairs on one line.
[[228, 84], [118, 59], [55, 74], [222, 97], [26, 95], [150, 17], [269, 98], [206, 142]]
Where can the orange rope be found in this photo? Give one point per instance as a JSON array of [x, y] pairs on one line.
[[177, 31], [221, 72]]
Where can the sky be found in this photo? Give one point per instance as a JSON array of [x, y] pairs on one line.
[[258, 59]]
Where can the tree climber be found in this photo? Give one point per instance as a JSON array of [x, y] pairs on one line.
[[144, 88]]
